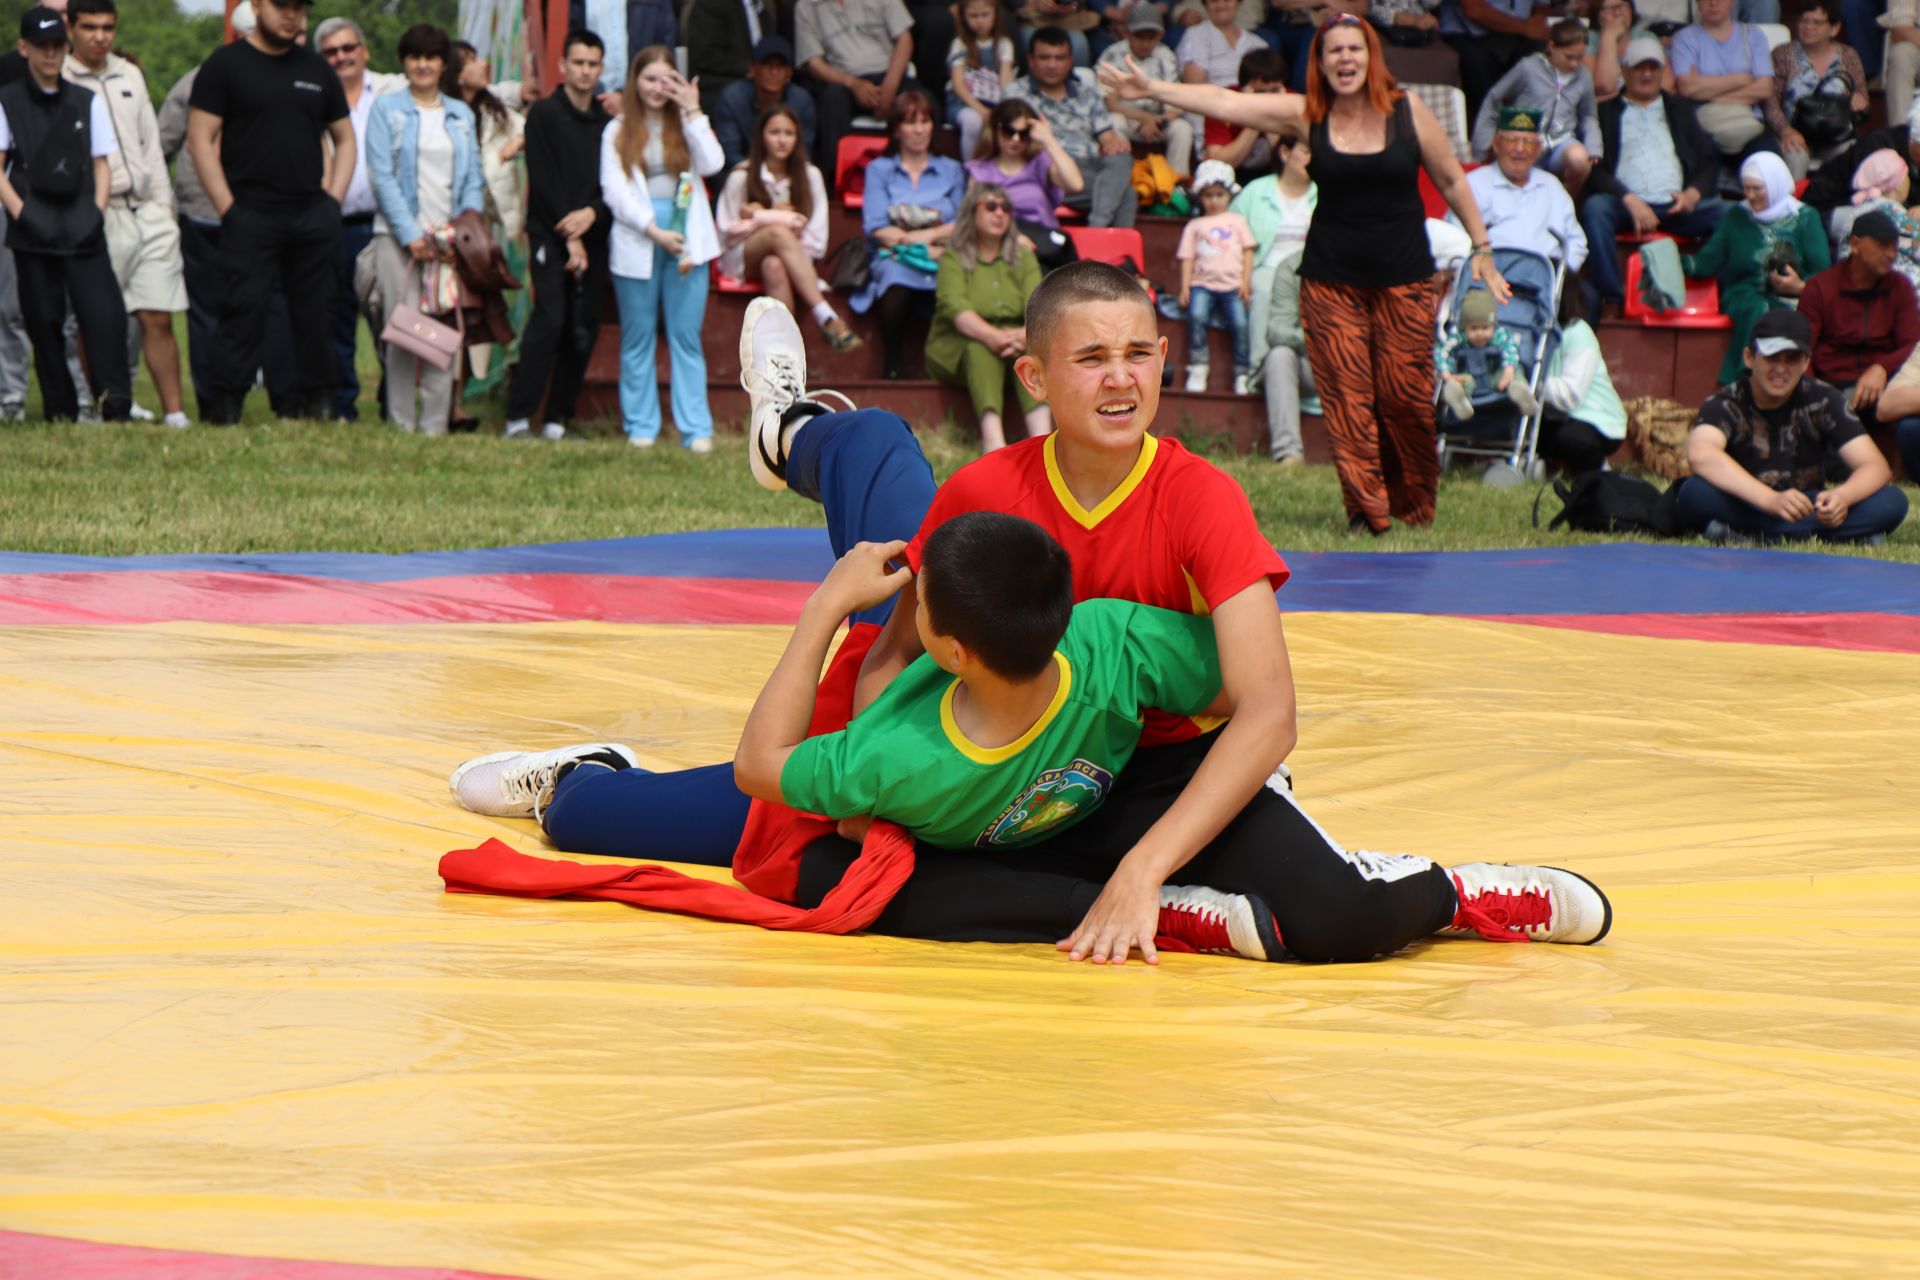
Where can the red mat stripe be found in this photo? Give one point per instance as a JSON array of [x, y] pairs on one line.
[[1873, 632], [34, 1257]]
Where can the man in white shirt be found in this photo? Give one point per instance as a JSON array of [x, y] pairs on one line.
[[344, 45], [143, 240], [1525, 206]]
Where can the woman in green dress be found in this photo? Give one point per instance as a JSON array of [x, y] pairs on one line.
[[979, 312], [1764, 252]]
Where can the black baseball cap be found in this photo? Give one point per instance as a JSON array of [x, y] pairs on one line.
[[773, 47], [1782, 329], [41, 25], [1874, 224]]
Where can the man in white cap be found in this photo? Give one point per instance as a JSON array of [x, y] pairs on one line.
[[1657, 170]]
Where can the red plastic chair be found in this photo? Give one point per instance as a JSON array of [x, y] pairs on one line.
[[1110, 244], [724, 283], [1700, 310], [857, 150], [1430, 197]]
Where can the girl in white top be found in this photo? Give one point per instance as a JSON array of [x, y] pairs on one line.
[[773, 222], [653, 159]]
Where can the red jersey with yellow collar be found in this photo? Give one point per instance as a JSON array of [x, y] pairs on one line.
[[1177, 533]]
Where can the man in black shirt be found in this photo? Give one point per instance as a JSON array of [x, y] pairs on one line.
[[1759, 452], [258, 111], [567, 227], [55, 138]]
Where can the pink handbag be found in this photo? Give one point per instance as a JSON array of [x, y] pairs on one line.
[[422, 335]]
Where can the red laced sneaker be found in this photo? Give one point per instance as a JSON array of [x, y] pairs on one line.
[[1522, 904], [1196, 918]]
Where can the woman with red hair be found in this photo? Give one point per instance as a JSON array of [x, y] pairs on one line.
[[1366, 274]]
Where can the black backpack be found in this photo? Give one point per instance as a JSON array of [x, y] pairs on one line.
[[1608, 502]]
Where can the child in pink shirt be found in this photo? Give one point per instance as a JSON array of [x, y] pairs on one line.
[[1216, 274]]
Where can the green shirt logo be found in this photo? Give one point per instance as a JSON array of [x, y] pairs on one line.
[[1056, 796]]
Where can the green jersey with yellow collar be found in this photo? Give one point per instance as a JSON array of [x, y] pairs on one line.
[[905, 758]]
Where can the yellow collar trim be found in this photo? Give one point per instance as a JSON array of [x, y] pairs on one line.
[[1149, 446], [999, 755]]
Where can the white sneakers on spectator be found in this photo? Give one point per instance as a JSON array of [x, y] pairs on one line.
[[1239, 384], [140, 413], [1197, 377], [176, 419], [517, 429], [700, 444], [519, 784], [1515, 904], [554, 431]]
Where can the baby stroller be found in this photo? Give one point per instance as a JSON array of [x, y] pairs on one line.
[[1498, 429]]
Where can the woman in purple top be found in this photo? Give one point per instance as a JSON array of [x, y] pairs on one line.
[[1019, 152], [910, 198]]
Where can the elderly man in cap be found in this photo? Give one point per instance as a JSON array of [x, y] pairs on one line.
[[55, 137], [1865, 319], [1759, 451], [258, 112], [769, 80], [1657, 170], [1525, 206]]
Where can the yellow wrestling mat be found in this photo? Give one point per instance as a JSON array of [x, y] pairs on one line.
[[241, 1017]]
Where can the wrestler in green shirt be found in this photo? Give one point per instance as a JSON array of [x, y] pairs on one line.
[[1012, 725]]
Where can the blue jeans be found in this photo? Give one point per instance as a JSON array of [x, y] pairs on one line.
[[1762, 11], [1701, 502], [1209, 308], [867, 470], [354, 236], [1864, 33], [683, 297], [1605, 216]]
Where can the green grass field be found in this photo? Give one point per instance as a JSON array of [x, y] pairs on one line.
[[136, 489]]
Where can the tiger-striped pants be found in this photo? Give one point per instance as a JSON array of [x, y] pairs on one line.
[[1372, 357]]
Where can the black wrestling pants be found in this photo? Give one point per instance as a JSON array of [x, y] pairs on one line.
[[1331, 904]]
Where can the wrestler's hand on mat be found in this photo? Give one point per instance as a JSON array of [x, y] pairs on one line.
[[863, 578], [1125, 915]]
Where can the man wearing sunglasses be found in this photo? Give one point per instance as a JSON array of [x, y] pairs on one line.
[[344, 46]]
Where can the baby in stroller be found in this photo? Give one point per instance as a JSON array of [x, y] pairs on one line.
[[1480, 359]]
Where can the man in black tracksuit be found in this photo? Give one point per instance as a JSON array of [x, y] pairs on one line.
[[55, 138], [567, 226], [259, 109]]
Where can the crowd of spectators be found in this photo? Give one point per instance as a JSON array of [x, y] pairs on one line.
[[309, 195]]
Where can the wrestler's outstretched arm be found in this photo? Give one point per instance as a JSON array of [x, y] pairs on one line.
[[780, 716], [1257, 683]]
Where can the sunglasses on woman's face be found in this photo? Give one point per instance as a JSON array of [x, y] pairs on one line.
[[994, 206], [1015, 132]]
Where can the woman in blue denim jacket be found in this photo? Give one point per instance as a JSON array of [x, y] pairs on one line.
[[423, 161]]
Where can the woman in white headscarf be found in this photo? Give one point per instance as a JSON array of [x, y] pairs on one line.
[[1763, 252]]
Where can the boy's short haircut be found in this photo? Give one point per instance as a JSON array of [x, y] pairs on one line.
[[1002, 587], [1068, 286], [1263, 64], [78, 9], [1052, 37], [581, 35], [1567, 31]]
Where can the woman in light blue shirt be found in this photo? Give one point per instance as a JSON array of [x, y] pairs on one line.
[[907, 211], [423, 162]]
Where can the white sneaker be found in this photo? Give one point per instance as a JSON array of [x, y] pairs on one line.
[[554, 431], [1197, 377], [518, 784], [140, 413], [642, 442], [1226, 924], [517, 430], [1239, 384], [700, 444], [1515, 904], [176, 419], [773, 370]]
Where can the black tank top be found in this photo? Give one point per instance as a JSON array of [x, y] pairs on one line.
[[1369, 227]]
